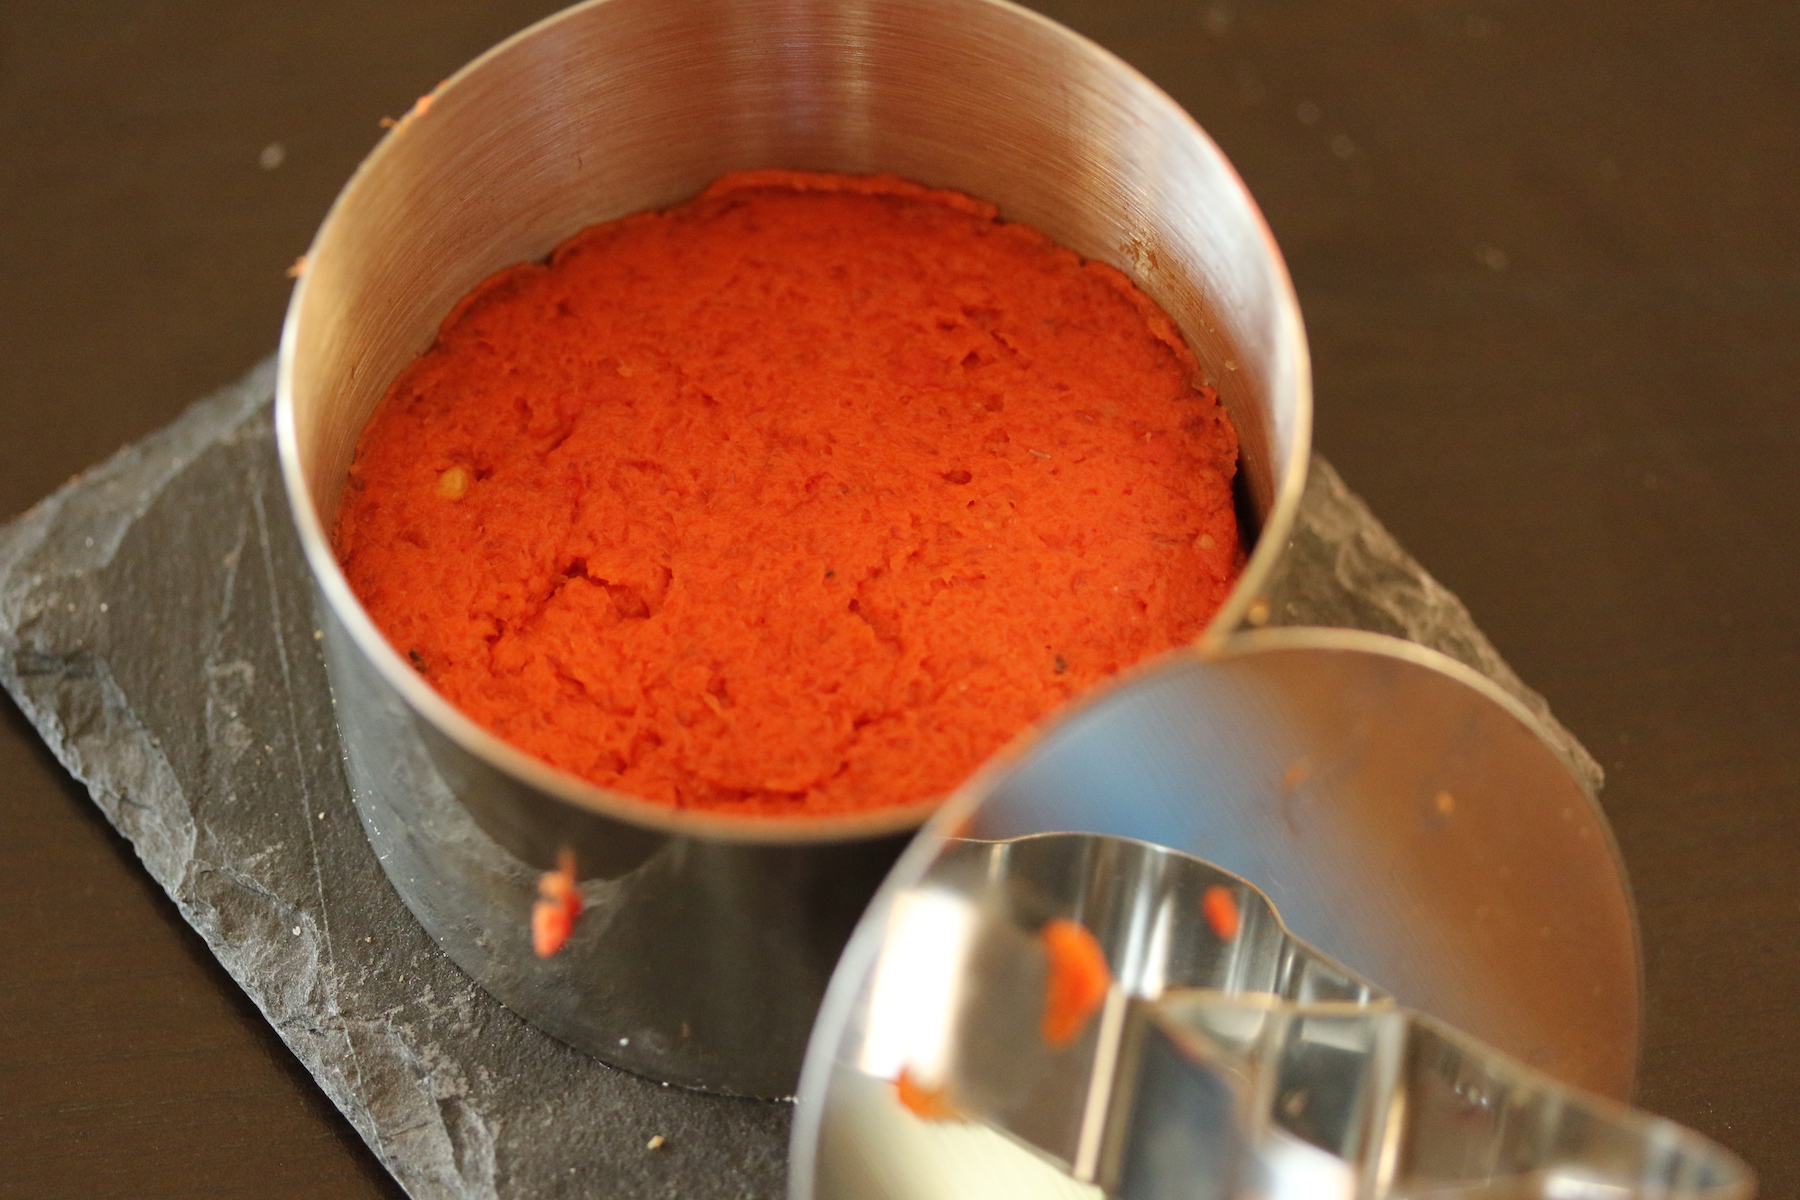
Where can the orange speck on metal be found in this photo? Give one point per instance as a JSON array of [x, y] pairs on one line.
[[928, 1103], [1078, 979], [1220, 909], [559, 904]]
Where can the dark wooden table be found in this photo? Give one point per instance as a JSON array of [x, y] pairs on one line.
[[1549, 255]]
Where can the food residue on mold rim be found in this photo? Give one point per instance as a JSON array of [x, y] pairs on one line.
[[419, 108], [800, 498], [1076, 981]]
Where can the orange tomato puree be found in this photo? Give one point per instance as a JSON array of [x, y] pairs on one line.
[[804, 496]]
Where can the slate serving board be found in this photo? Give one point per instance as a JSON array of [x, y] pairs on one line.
[[157, 627]]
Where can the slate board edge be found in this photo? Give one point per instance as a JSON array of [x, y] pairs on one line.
[[134, 476]]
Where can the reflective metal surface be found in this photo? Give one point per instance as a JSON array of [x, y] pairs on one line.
[[1400, 811], [971, 922], [621, 105], [1223, 1062], [1375, 1101]]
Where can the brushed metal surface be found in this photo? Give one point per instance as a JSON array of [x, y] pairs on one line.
[[1378, 1101], [1402, 813], [621, 105], [1227, 1059]]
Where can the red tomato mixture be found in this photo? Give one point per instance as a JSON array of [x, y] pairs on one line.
[[802, 497]]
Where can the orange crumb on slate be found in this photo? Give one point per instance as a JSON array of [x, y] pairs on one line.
[[1220, 908], [801, 497], [1077, 981]]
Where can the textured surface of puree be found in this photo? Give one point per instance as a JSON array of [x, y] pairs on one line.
[[802, 497]]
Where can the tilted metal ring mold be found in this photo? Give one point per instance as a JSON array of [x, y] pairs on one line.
[[1424, 846]]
